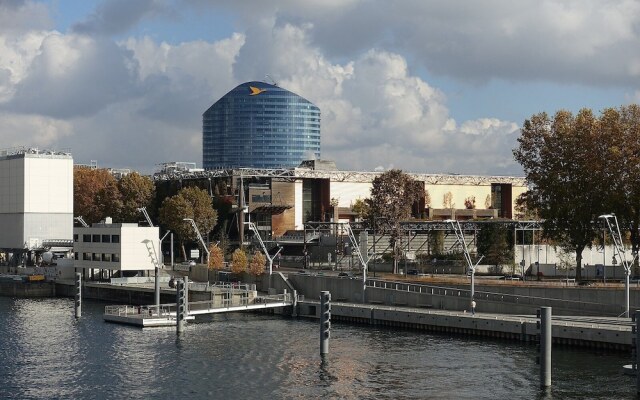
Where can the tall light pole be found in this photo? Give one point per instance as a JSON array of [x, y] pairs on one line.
[[618, 248], [161, 252], [253, 228], [455, 225], [195, 228]]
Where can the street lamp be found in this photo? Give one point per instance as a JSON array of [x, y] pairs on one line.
[[455, 225], [195, 228], [161, 252], [618, 248], [253, 228]]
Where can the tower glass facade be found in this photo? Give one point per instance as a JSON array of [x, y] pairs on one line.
[[260, 125]]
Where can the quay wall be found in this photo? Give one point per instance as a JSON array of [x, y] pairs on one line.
[[501, 327], [27, 289]]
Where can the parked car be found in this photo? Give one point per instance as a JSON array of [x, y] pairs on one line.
[[413, 272]]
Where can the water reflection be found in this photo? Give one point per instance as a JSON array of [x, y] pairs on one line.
[[48, 354]]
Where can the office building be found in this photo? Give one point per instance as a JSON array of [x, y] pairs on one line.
[[259, 125]]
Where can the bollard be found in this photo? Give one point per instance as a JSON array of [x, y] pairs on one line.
[[637, 355], [325, 321], [78, 296], [545, 346], [181, 308], [157, 291]]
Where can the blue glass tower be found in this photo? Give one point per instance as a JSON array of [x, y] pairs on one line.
[[260, 126]]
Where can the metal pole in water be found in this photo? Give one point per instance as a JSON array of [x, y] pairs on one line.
[[180, 307], [157, 290], [637, 358], [545, 346], [325, 321], [78, 297]]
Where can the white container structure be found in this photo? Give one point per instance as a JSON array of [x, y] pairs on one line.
[[36, 198]]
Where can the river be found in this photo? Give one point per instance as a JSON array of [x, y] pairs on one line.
[[47, 354]]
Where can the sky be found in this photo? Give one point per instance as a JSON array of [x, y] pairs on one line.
[[424, 86]]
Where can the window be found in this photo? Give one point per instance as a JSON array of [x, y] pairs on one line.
[[96, 238], [115, 238], [115, 257], [106, 257], [86, 256], [86, 238], [106, 238], [76, 256], [96, 257], [75, 237]]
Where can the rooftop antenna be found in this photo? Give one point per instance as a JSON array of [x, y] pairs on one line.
[[273, 81]]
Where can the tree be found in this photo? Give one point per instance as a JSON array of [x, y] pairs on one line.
[[447, 200], [238, 261], [258, 261], [361, 208], [393, 194], [204, 215], [95, 194], [621, 129], [172, 213], [494, 244], [136, 191], [191, 203], [560, 158], [216, 258], [470, 203]]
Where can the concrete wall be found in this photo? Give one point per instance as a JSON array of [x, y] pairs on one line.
[[522, 299], [33, 289]]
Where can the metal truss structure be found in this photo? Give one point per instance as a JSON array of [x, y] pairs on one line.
[[336, 176]]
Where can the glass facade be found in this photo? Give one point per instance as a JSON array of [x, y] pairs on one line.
[[260, 126]]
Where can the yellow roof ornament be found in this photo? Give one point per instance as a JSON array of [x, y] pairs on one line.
[[255, 91]]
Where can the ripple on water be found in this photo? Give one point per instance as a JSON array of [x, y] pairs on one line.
[[46, 354]]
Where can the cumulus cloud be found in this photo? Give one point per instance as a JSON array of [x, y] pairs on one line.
[[21, 15], [118, 16], [556, 40], [33, 130], [138, 102], [74, 75]]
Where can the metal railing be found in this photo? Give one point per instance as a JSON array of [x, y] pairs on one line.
[[150, 311], [533, 301]]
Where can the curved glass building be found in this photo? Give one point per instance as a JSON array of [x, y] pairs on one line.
[[260, 126]]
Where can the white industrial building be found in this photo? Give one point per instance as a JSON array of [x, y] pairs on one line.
[[36, 199], [116, 247]]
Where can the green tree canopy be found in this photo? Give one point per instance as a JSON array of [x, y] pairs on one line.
[[136, 191], [494, 244], [393, 195], [561, 158]]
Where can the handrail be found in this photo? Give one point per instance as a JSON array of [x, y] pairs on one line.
[[487, 296]]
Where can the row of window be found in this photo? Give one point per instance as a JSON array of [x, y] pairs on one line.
[[113, 257], [95, 238]]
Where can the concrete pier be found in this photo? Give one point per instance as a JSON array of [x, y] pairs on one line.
[[597, 332]]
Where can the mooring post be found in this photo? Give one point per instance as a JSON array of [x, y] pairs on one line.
[[545, 346], [78, 297], [635, 348], [325, 321], [181, 309], [157, 291]]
